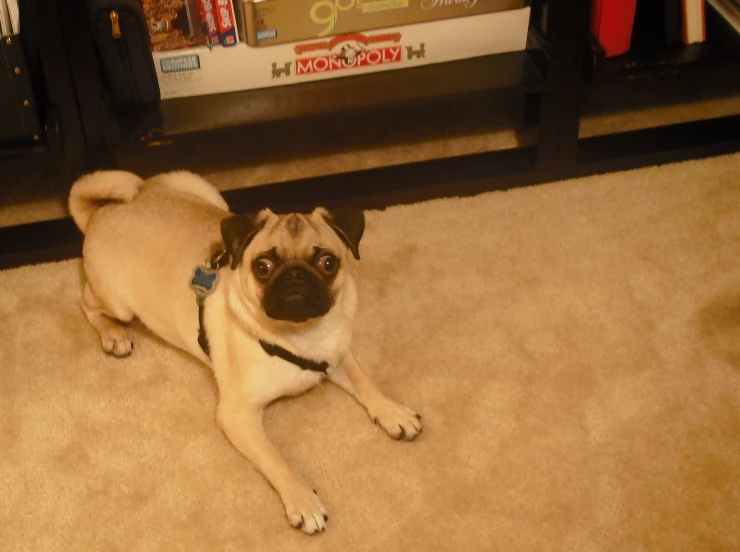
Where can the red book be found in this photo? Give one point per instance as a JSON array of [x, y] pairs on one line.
[[611, 24], [210, 22], [226, 22]]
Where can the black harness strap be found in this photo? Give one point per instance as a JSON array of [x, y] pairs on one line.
[[218, 259], [302, 363], [202, 337]]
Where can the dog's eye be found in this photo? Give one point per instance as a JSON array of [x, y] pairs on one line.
[[263, 268], [328, 264]]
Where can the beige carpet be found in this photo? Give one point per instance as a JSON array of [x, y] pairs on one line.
[[574, 349]]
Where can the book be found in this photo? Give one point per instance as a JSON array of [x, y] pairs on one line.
[[272, 22], [694, 21], [198, 71], [226, 23], [6, 29], [219, 22], [657, 25], [729, 10], [672, 18], [15, 16], [209, 19], [611, 24], [173, 24]]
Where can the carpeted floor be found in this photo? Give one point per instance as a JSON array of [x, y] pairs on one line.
[[574, 349]]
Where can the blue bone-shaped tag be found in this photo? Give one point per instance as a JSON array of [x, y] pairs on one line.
[[203, 281]]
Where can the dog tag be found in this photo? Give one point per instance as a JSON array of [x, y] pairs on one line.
[[203, 281]]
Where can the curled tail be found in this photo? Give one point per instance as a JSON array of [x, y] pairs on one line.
[[90, 192]]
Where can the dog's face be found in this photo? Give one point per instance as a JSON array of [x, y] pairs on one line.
[[293, 265]]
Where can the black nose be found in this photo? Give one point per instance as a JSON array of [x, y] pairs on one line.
[[294, 276]]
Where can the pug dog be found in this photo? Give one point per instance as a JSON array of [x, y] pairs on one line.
[[266, 300]]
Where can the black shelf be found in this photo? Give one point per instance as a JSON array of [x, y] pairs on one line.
[[381, 187], [46, 241], [647, 57], [21, 153], [658, 145], [669, 60], [682, 69], [12, 158], [515, 71], [551, 81], [467, 175]]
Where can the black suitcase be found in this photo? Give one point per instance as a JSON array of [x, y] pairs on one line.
[[19, 119], [122, 39]]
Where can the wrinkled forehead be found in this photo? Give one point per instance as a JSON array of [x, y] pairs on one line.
[[298, 235]]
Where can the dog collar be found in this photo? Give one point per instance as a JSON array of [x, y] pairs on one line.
[[205, 277], [203, 282]]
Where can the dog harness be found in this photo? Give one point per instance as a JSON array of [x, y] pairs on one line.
[[203, 283]]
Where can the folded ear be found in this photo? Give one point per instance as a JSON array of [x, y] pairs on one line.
[[238, 231], [349, 224]]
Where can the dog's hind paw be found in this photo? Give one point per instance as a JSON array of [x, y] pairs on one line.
[[116, 342]]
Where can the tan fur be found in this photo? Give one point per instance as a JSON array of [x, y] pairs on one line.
[[111, 185], [143, 241]]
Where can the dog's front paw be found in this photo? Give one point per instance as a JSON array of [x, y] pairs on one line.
[[400, 422], [116, 341], [304, 509]]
